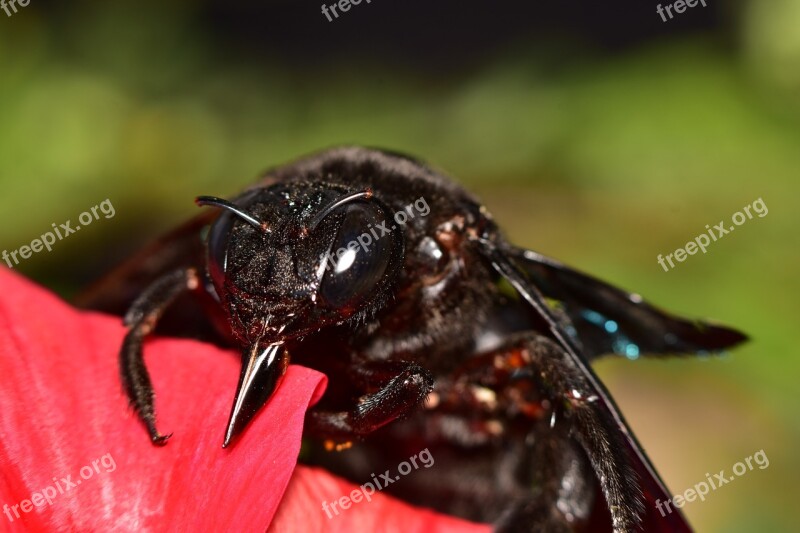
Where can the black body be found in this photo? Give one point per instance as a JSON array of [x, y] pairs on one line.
[[523, 433]]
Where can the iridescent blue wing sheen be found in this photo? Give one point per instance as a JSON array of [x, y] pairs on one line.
[[609, 320]]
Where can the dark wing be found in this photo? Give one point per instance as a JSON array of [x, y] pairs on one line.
[[181, 247], [610, 320], [194, 314], [652, 486]]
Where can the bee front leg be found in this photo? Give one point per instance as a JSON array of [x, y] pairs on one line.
[[407, 387], [141, 320]]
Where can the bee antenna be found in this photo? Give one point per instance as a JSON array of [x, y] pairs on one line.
[[225, 204], [338, 203]]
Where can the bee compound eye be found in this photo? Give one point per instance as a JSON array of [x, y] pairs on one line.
[[360, 255]]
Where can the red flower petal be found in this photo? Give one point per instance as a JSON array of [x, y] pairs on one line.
[[301, 510], [74, 457], [62, 409]]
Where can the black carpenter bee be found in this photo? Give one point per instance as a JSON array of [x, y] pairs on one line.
[[434, 331]]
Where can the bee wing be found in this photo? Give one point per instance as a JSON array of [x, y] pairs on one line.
[[610, 320], [178, 248], [653, 488], [181, 247]]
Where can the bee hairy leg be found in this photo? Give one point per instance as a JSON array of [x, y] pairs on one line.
[[400, 396], [562, 495], [588, 423], [141, 319]]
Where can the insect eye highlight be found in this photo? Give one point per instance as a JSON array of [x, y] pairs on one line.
[[360, 256]]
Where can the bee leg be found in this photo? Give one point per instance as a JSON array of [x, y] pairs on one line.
[[141, 320], [401, 395], [592, 427], [561, 477]]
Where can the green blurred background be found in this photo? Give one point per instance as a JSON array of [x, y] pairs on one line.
[[596, 134]]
